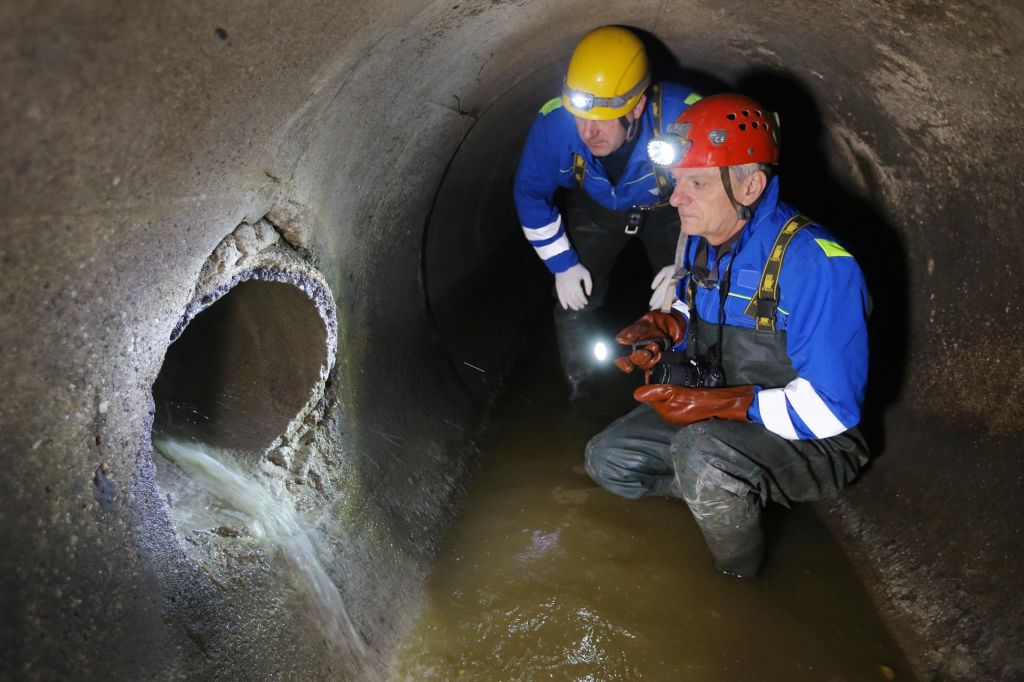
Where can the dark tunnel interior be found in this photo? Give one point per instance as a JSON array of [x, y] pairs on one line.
[[242, 369]]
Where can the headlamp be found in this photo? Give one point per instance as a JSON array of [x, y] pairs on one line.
[[667, 151], [585, 101]]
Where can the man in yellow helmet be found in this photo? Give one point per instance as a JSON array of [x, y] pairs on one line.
[[592, 141]]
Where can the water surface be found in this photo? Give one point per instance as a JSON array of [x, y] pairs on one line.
[[547, 576]]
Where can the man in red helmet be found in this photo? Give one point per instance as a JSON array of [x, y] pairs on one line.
[[765, 316]]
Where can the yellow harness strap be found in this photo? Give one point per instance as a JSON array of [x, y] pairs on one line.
[[660, 172], [579, 167], [765, 302]]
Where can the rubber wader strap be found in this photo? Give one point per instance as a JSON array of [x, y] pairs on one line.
[[765, 302], [660, 172]]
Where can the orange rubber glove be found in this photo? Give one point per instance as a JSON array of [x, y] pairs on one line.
[[652, 325], [683, 406]]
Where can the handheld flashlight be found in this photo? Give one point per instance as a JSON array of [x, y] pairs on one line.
[[603, 350]]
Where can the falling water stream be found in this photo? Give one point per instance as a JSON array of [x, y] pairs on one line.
[[276, 524]]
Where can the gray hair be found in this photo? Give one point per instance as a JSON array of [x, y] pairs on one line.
[[744, 171]]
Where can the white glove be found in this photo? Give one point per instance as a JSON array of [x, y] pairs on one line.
[[567, 284], [662, 281]]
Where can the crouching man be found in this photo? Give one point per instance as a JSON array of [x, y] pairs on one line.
[[765, 316]]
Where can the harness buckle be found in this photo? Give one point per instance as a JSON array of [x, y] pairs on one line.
[[635, 219]]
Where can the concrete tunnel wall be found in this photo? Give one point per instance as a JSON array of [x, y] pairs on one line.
[[138, 140]]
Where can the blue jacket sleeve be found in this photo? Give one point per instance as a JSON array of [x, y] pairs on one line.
[[545, 164], [823, 295]]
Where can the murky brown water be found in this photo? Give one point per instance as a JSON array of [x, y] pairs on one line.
[[547, 576]]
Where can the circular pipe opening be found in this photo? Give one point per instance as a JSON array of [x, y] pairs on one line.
[[242, 369], [244, 373]]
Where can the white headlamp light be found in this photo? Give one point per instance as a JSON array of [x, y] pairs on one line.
[[665, 151], [582, 100]]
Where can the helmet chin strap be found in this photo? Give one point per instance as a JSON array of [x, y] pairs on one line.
[[631, 128], [742, 212]]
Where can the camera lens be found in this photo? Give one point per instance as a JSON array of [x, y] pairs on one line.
[[692, 374], [661, 374], [680, 375]]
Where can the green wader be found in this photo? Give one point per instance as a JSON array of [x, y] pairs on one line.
[[726, 471]]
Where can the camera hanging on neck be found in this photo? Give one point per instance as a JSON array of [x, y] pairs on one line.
[[701, 276]]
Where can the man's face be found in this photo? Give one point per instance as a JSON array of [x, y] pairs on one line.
[[704, 207], [601, 137], [604, 137]]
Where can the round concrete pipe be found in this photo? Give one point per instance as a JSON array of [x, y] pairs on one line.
[[379, 138], [243, 369]]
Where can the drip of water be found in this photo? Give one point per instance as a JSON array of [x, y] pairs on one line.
[[277, 524]]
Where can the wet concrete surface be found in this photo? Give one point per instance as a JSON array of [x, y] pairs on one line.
[[547, 576]]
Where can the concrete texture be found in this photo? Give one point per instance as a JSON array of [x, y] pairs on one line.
[[378, 139]]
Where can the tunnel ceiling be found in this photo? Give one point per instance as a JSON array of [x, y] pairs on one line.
[[136, 138]]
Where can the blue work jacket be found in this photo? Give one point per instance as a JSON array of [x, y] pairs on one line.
[[547, 164], [822, 309]]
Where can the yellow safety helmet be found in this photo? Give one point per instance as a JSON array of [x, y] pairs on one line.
[[607, 74]]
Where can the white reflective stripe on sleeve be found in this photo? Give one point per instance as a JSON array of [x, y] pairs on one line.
[[539, 234], [560, 245], [812, 409], [681, 307], [772, 403]]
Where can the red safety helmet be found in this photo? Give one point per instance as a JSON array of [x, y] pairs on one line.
[[719, 131]]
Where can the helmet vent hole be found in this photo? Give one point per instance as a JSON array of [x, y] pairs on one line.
[[750, 151], [731, 117], [743, 126], [754, 125], [757, 112], [745, 113]]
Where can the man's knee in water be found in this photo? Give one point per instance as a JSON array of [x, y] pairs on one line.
[[613, 469], [591, 454], [705, 479], [596, 460]]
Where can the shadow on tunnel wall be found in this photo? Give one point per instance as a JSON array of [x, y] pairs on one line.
[[665, 66]]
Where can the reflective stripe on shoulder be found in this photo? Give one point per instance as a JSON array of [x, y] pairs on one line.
[[551, 105], [694, 97], [833, 249]]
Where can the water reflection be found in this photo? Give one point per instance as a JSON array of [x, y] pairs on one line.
[[546, 576]]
